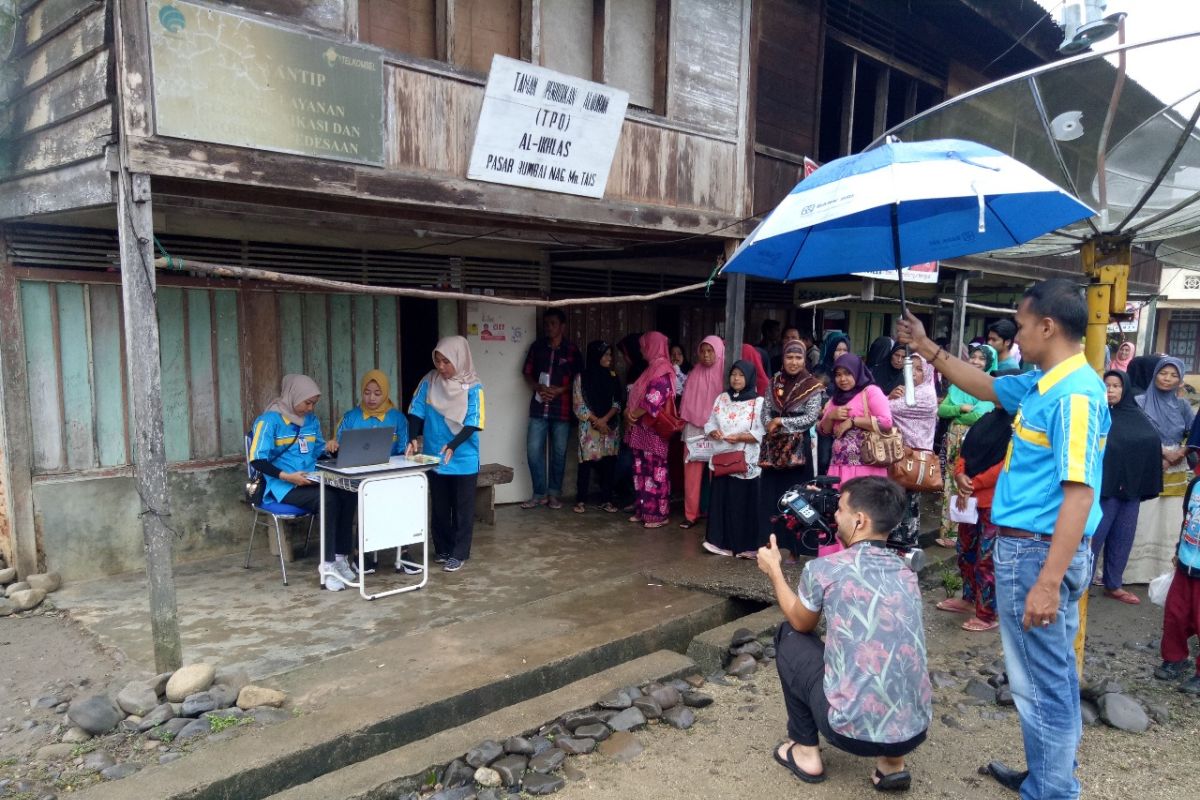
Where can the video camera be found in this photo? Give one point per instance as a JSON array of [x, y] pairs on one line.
[[809, 509]]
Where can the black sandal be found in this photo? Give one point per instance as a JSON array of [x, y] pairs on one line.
[[794, 768], [893, 781], [687, 523]]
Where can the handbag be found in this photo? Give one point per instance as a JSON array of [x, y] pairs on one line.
[[732, 462], [917, 471], [782, 450], [880, 449], [666, 423]]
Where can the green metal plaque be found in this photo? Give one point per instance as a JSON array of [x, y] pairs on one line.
[[221, 77]]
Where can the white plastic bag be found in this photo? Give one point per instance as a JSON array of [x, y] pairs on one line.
[[1159, 588], [969, 514]]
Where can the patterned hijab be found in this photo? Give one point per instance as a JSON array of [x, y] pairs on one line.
[[790, 392]]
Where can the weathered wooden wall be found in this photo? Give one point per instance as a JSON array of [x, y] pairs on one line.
[[217, 372], [59, 114]]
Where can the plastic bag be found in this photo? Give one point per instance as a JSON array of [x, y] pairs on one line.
[[1159, 588]]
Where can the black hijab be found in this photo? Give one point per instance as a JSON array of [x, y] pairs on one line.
[[601, 389], [631, 349], [749, 393], [986, 442], [878, 353], [1141, 372], [888, 377], [1133, 455]]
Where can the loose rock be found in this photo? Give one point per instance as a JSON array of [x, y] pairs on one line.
[[980, 690], [254, 696], [511, 769], [1159, 712], [599, 732], [751, 648], [6, 607], [1097, 689], [224, 696], [137, 698], [53, 752], [695, 681], [649, 707], [486, 776], [27, 599], [7, 576], [574, 746], [97, 761], [75, 735], [667, 697], [572, 772], [95, 713], [742, 666], [622, 746], [13, 588], [617, 700], [1089, 712], [46, 581], [540, 744], [548, 761], [518, 745], [171, 728], [1004, 696], [457, 773], [118, 771], [680, 717], [1123, 713], [46, 701], [196, 704], [197, 727], [697, 700], [627, 720], [580, 718], [537, 784], [189, 680], [741, 636], [236, 678], [942, 680], [484, 753]]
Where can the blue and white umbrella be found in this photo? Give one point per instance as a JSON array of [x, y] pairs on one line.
[[900, 204]]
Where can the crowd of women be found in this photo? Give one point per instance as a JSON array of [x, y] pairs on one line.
[[740, 434]]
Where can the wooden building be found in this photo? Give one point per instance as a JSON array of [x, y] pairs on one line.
[[726, 99]]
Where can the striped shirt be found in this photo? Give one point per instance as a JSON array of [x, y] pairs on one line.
[[1059, 432]]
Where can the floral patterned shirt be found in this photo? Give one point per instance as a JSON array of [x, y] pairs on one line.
[[732, 417], [594, 445], [876, 678], [639, 436]]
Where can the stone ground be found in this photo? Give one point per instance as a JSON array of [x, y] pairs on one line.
[[727, 754]]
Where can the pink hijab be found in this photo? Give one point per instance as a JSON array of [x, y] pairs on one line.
[[1122, 364], [656, 350], [750, 353], [704, 385]]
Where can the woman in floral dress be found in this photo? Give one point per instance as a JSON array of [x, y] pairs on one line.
[[648, 396], [962, 410], [596, 397], [736, 423]]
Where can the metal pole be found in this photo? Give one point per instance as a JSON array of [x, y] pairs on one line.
[[735, 309], [910, 391], [958, 319]]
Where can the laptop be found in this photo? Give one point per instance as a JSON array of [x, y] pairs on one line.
[[364, 447]]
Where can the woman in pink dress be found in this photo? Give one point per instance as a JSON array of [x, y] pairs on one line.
[[855, 405]]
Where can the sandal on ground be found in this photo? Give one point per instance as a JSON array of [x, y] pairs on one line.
[[955, 606], [793, 767], [579, 508], [942, 541], [533, 503], [976, 625], [608, 508], [629, 508], [659, 524], [893, 781], [748, 554], [687, 523], [1124, 596], [635, 518], [554, 503], [716, 551]]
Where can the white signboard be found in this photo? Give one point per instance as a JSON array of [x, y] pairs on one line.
[[544, 130], [1128, 325], [917, 273]]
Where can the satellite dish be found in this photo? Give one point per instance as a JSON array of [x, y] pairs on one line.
[[1067, 126]]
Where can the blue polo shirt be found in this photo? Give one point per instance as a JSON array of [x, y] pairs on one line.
[[1059, 432], [292, 446], [357, 417], [437, 434]]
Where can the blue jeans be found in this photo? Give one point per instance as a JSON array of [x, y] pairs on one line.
[[1041, 664], [557, 431]]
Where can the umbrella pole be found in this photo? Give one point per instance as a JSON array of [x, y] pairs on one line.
[[910, 392]]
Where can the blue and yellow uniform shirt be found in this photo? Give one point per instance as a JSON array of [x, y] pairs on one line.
[[291, 446], [1059, 432], [437, 433], [358, 417]]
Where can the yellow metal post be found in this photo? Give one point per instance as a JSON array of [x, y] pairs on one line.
[[1106, 296]]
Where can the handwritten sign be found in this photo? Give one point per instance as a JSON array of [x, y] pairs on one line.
[[225, 78], [544, 130]]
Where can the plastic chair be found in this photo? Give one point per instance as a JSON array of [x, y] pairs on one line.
[[278, 512]]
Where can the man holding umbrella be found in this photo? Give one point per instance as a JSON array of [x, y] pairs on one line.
[[1047, 506]]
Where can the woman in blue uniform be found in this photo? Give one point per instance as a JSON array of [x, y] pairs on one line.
[[445, 419], [375, 410], [285, 445]]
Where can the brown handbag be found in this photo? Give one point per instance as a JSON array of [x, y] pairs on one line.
[[918, 471], [880, 449], [732, 462], [666, 423]]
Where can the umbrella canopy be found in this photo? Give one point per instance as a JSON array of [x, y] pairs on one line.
[[904, 203]]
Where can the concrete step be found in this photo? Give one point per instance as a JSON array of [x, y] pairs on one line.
[[385, 696], [395, 773]]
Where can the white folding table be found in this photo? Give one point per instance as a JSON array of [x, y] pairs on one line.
[[393, 511]]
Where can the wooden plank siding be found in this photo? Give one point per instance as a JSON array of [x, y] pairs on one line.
[[703, 64]]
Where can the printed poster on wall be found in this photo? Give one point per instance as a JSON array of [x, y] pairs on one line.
[[917, 273], [544, 130]]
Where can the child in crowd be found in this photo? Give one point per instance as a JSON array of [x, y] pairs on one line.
[[1181, 615]]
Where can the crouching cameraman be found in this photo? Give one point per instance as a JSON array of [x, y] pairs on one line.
[[866, 688]]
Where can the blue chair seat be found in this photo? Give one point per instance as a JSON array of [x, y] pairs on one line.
[[282, 509]]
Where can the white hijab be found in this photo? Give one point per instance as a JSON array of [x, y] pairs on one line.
[[449, 397]]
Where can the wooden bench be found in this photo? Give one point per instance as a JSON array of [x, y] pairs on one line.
[[490, 475]]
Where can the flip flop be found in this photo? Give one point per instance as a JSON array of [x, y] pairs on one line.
[[976, 625], [955, 606], [1124, 596], [608, 508], [554, 503], [794, 768], [942, 541], [660, 524], [893, 781], [531, 503], [579, 508], [687, 523]]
